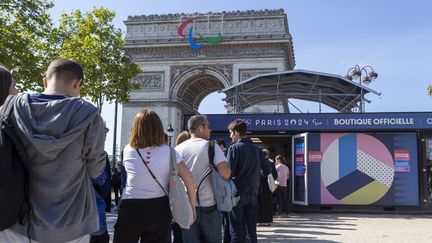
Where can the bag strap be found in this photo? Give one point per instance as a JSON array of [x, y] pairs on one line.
[[206, 173], [173, 161], [211, 152], [7, 107], [151, 173]]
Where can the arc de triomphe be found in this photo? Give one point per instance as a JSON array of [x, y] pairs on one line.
[[179, 72]]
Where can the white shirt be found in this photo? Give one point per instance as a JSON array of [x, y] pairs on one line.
[[194, 151], [140, 184]]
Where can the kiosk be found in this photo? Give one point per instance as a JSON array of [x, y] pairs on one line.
[[347, 159]]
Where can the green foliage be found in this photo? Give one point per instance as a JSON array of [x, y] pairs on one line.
[[24, 25], [92, 40], [29, 42]]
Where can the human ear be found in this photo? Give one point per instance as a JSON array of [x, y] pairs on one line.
[[77, 84], [45, 82]]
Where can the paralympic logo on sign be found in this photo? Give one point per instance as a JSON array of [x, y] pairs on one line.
[[193, 44]]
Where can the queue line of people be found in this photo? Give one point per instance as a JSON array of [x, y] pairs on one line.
[[245, 170], [64, 136]]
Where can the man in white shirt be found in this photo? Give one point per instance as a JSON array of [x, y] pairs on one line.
[[195, 154]]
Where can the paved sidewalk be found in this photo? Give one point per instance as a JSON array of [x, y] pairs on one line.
[[364, 228]]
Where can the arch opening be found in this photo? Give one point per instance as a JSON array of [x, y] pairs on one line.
[[193, 90]]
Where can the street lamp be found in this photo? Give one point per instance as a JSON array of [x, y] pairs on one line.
[[365, 74], [170, 133]]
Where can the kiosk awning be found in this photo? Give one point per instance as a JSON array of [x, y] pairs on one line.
[[332, 90]]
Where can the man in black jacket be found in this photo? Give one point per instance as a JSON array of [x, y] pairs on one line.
[[246, 161]]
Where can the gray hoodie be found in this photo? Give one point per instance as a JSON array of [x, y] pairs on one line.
[[65, 143]]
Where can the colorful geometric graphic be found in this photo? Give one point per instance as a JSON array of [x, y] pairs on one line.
[[193, 44], [356, 169]]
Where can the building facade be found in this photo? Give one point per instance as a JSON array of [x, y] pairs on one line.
[[185, 57]]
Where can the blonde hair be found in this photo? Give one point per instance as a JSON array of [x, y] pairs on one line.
[[183, 136], [147, 130]]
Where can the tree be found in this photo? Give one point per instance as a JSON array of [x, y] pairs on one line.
[[97, 45], [24, 26]]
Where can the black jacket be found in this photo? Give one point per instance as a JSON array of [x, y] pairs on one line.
[[246, 161]]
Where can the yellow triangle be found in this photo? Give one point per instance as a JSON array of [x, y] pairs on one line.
[[366, 195]]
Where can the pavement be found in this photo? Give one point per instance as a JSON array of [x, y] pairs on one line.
[[340, 227]]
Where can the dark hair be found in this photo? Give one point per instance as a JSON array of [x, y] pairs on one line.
[[238, 125], [147, 130], [5, 83], [65, 69], [280, 158], [221, 141], [195, 121]]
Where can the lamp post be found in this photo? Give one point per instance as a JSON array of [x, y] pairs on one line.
[[170, 133], [365, 74]]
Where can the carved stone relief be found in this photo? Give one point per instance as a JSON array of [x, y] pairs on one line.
[[208, 24], [178, 71], [214, 53], [149, 81], [248, 73]]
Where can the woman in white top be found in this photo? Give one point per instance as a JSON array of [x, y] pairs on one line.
[[144, 213]]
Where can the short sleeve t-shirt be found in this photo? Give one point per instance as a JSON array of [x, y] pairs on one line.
[[194, 151], [140, 184]]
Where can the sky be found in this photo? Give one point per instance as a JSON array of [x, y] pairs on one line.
[[329, 36]]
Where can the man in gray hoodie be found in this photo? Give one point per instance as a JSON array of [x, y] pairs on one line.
[[63, 136]]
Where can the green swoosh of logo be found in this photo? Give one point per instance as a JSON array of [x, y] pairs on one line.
[[212, 40]]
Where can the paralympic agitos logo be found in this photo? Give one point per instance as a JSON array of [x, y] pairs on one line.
[[193, 44]]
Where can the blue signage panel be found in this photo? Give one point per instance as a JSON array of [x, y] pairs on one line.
[[325, 121]]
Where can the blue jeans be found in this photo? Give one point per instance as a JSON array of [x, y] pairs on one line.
[[243, 219], [207, 226]]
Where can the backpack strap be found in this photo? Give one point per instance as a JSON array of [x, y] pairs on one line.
[[206, 173], [6, 108], [211, 152]]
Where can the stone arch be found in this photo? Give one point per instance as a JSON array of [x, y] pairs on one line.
[[194, 84], [175, 78]]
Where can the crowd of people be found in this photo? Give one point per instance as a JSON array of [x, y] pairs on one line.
[[73, 181]]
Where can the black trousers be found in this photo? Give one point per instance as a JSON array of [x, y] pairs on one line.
[[103, 238], [117, 194], [146, 220], [282, 200]]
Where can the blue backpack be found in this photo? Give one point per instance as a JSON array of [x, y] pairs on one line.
[[224, 190]]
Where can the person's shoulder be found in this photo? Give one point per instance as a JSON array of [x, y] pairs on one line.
[[128, 150], [182, 146], [192, 142], [235, 146], [164, 148], [85, 104]]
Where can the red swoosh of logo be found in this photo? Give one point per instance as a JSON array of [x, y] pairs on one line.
[[183, 25]]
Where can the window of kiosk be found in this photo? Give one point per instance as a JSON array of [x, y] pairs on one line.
[[299, 190]]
